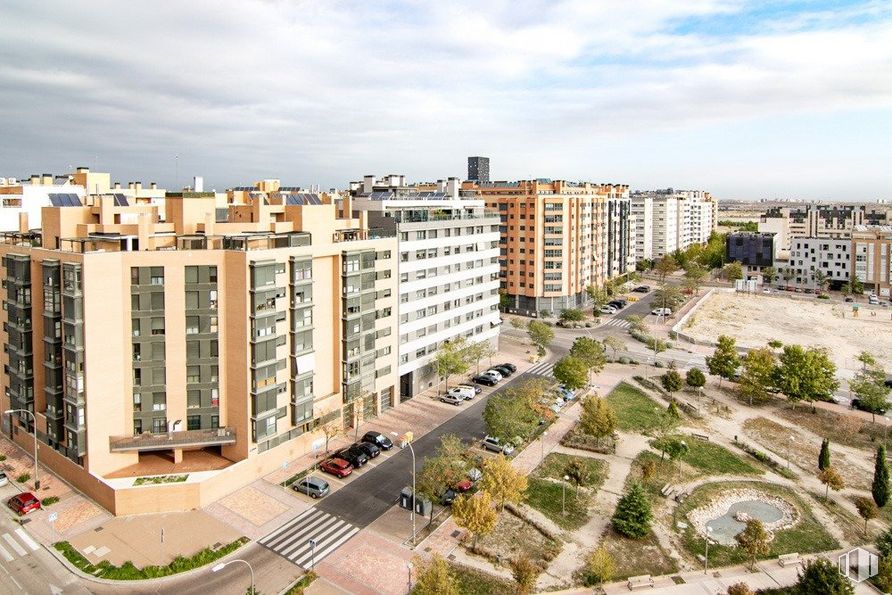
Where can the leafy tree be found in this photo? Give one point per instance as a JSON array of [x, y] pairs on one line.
[[597, 419], [541, 335], [443, 470], [572, 315], [857, 286], [845, 288], [636, 323], [433, 577], [805, 374], [883, 579], [694, 274], [824, 456], [820, 575], [517, 322], [880, 487], [672, 380], [614, 343], [769, 274], [504, 300], [571, 371], [577, 472], [633, 515], [733, 271], [601, 567], [475, 513], [695, 378], [831, 479], [590, 352], [884, 543], [820, 279], [502, 481], [672, 411], [451, 359], [598, 295], [758, 374], [478, 351], [753, 540], [668, 296], [724, 360], [674, 448], [869, 385], [332, 429], [713, 255], [514, 412], [775, 344], [867, 508], [666, 266], [525, 572], [740, 589]]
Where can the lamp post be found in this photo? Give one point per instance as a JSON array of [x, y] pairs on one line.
[[412, 450], [223, 565], [564, 495], [542, 444], [706, 556], [34, 421]]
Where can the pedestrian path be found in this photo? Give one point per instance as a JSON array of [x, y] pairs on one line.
[[10, 547], [618, 323], [541, 369], [311, 530]]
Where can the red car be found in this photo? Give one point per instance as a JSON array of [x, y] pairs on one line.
[[24, 503], [337, 467], [464, 485]]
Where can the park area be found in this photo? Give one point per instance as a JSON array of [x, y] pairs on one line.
[[756, 319]]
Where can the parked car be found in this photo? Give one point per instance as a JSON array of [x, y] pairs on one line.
[[607, 309], [889, 382], [337, 467], [475, 474], [566, 393], [511, 367], [505, 372], [378, 439], [452, 399], [368, 449], [463, 393], [661, 311], [477, 390], [850, 299], [641, 289], [494, 373], [23, 503], [493, 444], [464, 485], [448, 497], [314, 487], [616, 305], [766, 290], [3, 479], [485, 380], [353, 455]]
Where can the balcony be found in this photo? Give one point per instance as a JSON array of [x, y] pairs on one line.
[[148, 441]]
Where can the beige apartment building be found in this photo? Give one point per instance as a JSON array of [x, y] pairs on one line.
[[557, 238], [212, 343], [872, 257]]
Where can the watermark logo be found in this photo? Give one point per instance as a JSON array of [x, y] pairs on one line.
[[858, 564]]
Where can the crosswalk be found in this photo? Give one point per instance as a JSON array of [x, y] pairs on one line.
[[618, 323], [16, 547], [292, 540], [542, 369]]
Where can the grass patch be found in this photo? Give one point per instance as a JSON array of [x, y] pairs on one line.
[[713, 459], [302, 583], [635, 557], [546, 497], [807, 536], [160, 479], [578, 439], [555, 466], [23, 477], [849, 523], [128, 572], [470, 581], [635, 411], [514, 537], [842, 429], [661, 473], [297, 477], [49, 501]]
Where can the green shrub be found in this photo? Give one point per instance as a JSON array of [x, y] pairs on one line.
[[23, 477], [49, 501], [2, 457], [658, 364], [624, 360]]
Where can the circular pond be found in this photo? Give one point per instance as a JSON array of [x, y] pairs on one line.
[[725, 515], [724, 528]]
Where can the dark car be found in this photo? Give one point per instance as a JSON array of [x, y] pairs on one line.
[[511, 367], [616, 305], [314, 487], [378, 439], [856, 404], [448, 497], [505, 372], [848, 299], [641, 289], [23, 503], [337, 467], [369, 449], [889, 382], [485, 380], [353, 455]]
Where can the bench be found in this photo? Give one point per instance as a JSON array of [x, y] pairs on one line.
[[703, 437], [638, 582], [789, 559]]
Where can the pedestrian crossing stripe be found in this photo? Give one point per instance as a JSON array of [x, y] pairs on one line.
[[541, 369], [292, 540], [15, 546], [618, 323]]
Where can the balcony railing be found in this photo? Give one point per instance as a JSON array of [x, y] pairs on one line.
[[167, 440]]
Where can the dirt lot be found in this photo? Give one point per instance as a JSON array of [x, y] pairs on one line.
[[756, 319]]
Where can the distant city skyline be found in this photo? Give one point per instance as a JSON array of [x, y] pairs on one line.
[[749, 100]]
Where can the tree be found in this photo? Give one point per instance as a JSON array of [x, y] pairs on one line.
[[614, 343], [775, 344], [502, 481], [633, 515], [514, 412], [665, 267], [451, 359], [443, 470], [597, 419], [541, 335], [769, 274], [674, 448], [857, 286], [572, 315], [883, 579], [672, 411], [478, 351], [601, 566], [753, 540], [869, 385], [733, 271], [695, 378], [867, 508], [845, 288], [598, 295], [433, 577], [571, 371], [636, 323], [332, 429], [884, 543], [880, 487], [475, 513], [831, 479], [590, 352], [820, 278], [824, 456], [694, 274], [517, 322], [525, 572], [820, 575], [805, 374], [672, 380], [578, 473], [667, 296], [757, 375], [740, 589], [724, 360]]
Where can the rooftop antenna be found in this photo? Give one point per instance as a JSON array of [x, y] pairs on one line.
[[176, 178]]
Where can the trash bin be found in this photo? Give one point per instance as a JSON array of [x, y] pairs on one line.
[[406, 499], [423, 507]]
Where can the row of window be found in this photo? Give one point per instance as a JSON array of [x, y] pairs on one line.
[[433, 234], [446, 270], [445, 251], [433, 347]]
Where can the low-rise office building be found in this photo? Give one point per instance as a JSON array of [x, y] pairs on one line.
[[831, 258], [872, 257], [211, 343], [755, 251]]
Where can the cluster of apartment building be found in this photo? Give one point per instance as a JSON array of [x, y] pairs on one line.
[[671, 220], [222, 332]]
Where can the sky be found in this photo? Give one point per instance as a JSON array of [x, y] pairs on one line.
[[749, 100]]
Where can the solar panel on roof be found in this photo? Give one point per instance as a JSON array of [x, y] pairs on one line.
[[55, 200], [121, 201]]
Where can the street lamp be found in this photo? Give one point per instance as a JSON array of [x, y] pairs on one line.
[[34, 420], [564, 495], [412, 450], [706, 556], [223, 565], [542, 443]]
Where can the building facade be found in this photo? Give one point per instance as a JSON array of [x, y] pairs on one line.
[[828, 221], [478, 169], [872, 258], [221, 340], [833, 258], [755, 251], [643, 212], [448, 269], [668, 220]]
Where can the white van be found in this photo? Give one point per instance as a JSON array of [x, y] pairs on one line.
[[873, 300], [461, 391]]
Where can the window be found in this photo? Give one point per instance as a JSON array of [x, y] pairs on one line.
[[192, 325], [158, 351], [193, 350], [158, 376], [193, 399], [157, 275], [193, 422], [193, 374], [137, 403], [159, 401], [159, 425], [191, 300], [157, 300], [135, 326], [158, 326], [191, 274]]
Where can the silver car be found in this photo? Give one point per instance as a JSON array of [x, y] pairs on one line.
[[314, 487]]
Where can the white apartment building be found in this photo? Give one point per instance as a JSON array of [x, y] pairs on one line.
[[669, 220], [643, 213], [448, 267], [665, 226], [833, 257]]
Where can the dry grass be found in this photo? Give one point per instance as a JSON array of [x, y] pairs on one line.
[[842, 429], [513, 537], [637, 556]]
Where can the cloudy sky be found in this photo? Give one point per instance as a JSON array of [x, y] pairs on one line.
[[748, 99]]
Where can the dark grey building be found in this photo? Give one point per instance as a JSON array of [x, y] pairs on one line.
[[750, 249], [478, 169]]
